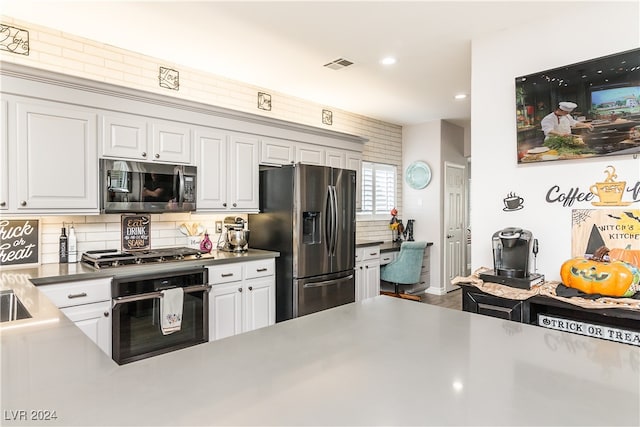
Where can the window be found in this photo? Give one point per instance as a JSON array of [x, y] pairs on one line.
[[378, 189]]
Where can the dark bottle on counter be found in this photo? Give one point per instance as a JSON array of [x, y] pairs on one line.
[[63, 247]]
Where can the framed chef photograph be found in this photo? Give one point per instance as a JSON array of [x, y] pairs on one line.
[[581, 110]]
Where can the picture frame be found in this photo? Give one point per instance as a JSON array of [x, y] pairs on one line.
[[605, 96]]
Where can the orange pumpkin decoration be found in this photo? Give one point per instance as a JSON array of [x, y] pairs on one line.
[[627, 254], [595, 276]]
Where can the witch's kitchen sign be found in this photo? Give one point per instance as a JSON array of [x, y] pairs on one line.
[[135, 232], [19, 242]]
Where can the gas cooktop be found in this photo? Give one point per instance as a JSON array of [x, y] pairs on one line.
[[114, 258]]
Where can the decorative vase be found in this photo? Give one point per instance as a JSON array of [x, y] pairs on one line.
[[206, 245]]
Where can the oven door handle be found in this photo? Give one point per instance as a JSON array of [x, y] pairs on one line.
[[153, 295]]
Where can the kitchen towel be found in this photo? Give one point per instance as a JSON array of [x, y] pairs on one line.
[[171, 310]]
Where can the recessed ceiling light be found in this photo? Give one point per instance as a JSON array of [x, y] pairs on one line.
[[388, 60], [461, 96]]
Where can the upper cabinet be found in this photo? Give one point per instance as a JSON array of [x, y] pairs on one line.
[[227, 171], [4, 160], [139, 138], [56, 163], [276, 152]]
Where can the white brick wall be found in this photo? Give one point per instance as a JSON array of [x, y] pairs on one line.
[[58, 51]]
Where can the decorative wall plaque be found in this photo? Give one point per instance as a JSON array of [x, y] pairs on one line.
[[613, 228], [14, 40], [264, 101], [327, 117], [169, 78], [19, 242], [136, 232]]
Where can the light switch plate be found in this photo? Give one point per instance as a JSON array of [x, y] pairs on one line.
[[218, 226]]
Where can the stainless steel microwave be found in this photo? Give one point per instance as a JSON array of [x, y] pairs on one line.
[[128, 186]]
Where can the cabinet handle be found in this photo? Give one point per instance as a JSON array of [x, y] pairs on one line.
[[235, 205], [226, 274], [373, 253], [250, 288], [366, 266], [106, 314], [144, 154], [3, 203], [239, 289], [23, 203], [224, 204], [260, 270], [80, 295], [157, 156]]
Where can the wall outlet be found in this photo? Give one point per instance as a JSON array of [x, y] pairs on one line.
[[218, 226]]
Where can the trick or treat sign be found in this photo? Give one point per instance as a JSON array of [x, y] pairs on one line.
[[613, 228], [135, 232]]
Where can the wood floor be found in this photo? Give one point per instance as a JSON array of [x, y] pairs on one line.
[[451, 299]]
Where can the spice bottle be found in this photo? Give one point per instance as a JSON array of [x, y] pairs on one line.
[[73, 245]]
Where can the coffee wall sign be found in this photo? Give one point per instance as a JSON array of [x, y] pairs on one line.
[[19, 240], [512, 202], [605, 193], [136, 232]]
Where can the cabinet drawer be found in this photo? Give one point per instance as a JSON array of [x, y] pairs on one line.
[[387, 257], [225, 274], [78, 293], [259, 269], [367, 252], [489, 305]]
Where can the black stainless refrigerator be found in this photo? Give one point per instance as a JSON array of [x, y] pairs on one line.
[[308, 214]]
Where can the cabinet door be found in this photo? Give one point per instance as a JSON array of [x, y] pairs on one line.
[[336, 159], [4, 160], [259, 303], [243, 177], [276, 152], [354, 162], [171, 142], [310, 154], [95, 321], [57, 162], [225, 310], [124, 136], [360, 282], [372, 279], [212, 153]]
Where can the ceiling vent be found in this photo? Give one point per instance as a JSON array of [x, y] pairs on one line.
[[338, 64]]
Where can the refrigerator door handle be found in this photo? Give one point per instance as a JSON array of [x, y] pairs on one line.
[[328, 222], [328, 282], [335, 220]]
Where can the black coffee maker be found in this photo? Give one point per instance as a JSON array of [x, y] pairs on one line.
[[511, 253]]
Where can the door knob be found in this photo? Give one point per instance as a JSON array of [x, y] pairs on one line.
[[449, 236], [157, 156], [144, 154], [23, 203]]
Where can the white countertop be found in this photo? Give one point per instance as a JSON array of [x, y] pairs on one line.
[[384, 361]]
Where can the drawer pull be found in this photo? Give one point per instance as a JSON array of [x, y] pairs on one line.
[[260, 270], [226, 274], [80, 295], [373, 253], [250, 288]]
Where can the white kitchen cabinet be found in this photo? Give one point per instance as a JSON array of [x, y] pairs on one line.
[[354, 162], [139, 138], [277, 152], [310, 154], [4, 159], [242, 298], [227, 171], [335, 158], [367, 268], [88, 304], [56, 162], [387, 257]]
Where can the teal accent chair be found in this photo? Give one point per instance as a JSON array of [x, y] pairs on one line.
[[406, 268]]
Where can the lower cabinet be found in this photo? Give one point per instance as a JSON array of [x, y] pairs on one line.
[[242, 298], [87, 303], [476, 301], [367, 268]]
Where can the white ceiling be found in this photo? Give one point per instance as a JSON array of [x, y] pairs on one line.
[[282, 46]]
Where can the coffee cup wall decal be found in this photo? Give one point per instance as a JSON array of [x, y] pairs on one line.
[[513, 202], [610, 191]]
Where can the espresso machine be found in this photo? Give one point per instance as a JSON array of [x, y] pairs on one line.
[[511, 253]]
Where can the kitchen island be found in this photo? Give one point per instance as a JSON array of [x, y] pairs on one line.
[[383, 361]]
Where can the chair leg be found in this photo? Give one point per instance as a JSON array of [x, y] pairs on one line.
[[397, 287]]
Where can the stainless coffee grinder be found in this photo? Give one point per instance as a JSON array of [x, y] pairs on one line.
[[511, 252]]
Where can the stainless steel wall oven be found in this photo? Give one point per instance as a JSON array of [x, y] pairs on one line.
[[136, 325]]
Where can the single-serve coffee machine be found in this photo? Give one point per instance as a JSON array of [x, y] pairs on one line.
[[511, 253], [236, 238]]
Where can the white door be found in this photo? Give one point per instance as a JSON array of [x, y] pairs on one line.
[[454, 219], [95, 321], [124, 136], [212, 153], [243, 175], [372, 279], [171, 142]]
